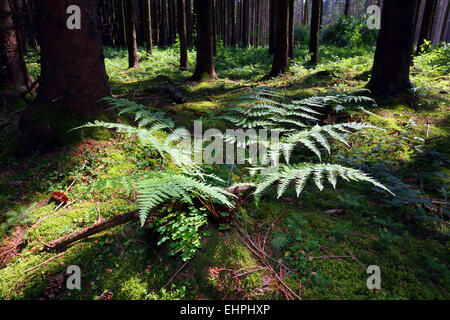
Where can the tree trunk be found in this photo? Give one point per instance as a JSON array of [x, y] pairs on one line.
[[130, 26], [314, 33], [272, 22], [73, 77], [427, 24], [189, 23], [306, 16], [444, 24], [184, 63], [291, 29], [245, 24], [233, 23], [280, 60], [149, 28], [393, 55], [204, 68], [14, 76], [347, 7]]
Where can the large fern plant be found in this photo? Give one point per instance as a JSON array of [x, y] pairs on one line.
[[299, 127], [158, 187]]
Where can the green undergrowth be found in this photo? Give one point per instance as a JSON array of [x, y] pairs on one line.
[[406, 235]]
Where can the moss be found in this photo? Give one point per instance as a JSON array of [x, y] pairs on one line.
[[223, 251], [56, 126]]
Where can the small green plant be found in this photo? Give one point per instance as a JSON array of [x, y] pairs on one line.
[[182, 230]]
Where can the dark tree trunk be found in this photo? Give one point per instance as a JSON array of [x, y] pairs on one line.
[[124, 23], [291, 29], [184, 63], [130, 26], [314, 33], [73, 77], [444, 24], [427, 24], [233, 23], [272, 17], [246, 24], [14, 76], [347, 7], [280, 60], [393, 56], [214, 27], [189, 23], [204, 68], [149, 27], [306, 16]]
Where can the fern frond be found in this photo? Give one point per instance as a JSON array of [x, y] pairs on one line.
[[285, 175]]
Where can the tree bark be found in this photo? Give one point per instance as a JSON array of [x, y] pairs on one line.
[[14, 76], [306, 14], [189, 23], [184, 62], [272, 22], [149, 28], [246, 24], [130, 25], [73, 77], [427, 24], [281, 50], [314, 31], [393, 55], [204, 69], [291, 29], [444, 24], [347, 7]]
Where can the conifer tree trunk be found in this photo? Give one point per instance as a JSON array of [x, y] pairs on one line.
[[314, 31], [14, 76], [233, 23], [272, 22], [393, 55], [291, 29], [204, 69], [281, 49], [246, 24], [444, 23], [70, 87], [130, 26], [306, 13], [184, 63], [189, 23], [427, 24], [149, 28], [347, 7]]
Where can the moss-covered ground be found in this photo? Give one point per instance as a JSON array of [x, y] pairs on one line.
[[327, 239]]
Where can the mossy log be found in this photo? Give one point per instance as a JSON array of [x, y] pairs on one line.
[[116, 221]]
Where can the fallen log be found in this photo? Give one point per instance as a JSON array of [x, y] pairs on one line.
[[116, 221], [91, 230]]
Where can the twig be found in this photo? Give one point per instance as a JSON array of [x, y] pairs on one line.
[[179, 270], [44, 263]]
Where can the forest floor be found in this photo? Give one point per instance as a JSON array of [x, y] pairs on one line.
[[326, 240]]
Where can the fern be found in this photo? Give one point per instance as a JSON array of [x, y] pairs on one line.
[[299, 174], [299, 127], [156, 187], [163, 187]]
